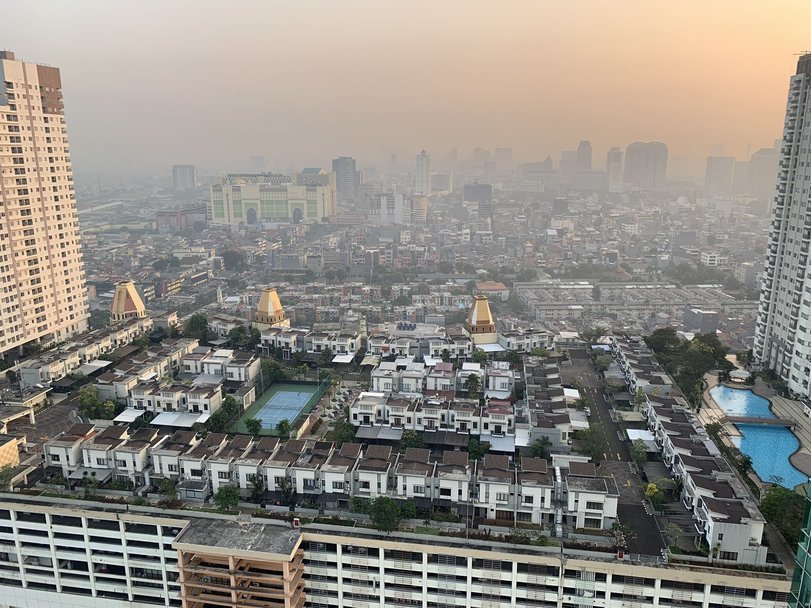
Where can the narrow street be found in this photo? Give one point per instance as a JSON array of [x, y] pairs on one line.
[[644, 537]]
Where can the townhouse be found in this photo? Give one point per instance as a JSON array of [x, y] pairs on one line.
[[56, 364], [725, 515]]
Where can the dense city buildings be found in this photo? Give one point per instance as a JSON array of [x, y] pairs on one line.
[[783, 336], [42, 275], [484, 379]]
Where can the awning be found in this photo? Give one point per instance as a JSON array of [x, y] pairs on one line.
[[646, 436], [343, 358], [490, 348], [92, 367], [181, 419], [129, 415], [383, 433], [101, 475]]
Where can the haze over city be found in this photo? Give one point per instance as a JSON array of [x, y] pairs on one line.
[[151, 83], [405, 304]]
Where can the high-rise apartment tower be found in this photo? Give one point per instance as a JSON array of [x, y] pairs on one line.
[[346, 179], [783, 330], [423, 178], [42, 278]]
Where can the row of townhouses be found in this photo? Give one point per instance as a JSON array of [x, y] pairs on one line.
[[71, 357], [433, 400], [288, 340], [725, 515], [495, 488]]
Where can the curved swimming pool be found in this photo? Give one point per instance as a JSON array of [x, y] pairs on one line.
[[741, 402], [768, 446]]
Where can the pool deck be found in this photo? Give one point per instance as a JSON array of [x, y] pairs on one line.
[[781, 407]]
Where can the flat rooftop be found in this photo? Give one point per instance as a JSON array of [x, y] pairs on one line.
[[280, 539]]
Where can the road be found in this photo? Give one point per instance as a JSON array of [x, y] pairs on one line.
[[632, 511]]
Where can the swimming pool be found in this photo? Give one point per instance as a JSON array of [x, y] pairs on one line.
[[768, 446], [741, 402]]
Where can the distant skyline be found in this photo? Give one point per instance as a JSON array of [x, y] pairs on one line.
[[154, 83]]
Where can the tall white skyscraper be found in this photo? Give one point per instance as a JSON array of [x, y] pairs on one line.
[[783, 330], [422, 183], [42, 280]]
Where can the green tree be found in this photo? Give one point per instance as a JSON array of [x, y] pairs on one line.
[[591, 335], [238, 336], [90, 484], [6, 474], [196, 326], [541, 448], [385, 514], [257, 488], [411, 439], [287, 491], [603, 362], [639, 452], [271, 371], [343, 432], [408, 510], [473, 385], [539, 352], [784, 509], [654, 494], [254, 426], [476, 448], [166, 488], [283, 429], [326, 356], [514, 358], [226, 498], [594, 443], [445, 355], [479, 356]]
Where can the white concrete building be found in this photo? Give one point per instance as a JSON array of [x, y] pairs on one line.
[[41, 269], [782, 333]]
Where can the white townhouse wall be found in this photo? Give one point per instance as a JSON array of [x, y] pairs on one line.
[[495, 482], [166, 456], [65, 450], [133, 458], [222, 469], [591, 501], [414, 474], [250, 466], [371, 475]]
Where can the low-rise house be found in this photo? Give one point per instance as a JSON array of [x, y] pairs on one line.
[[65, 450], [166, 456]]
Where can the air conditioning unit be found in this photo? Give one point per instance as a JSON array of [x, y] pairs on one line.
[[296, 522]]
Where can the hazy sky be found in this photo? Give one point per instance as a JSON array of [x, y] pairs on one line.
[[152, 82]]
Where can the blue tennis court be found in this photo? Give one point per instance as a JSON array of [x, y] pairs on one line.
[[280, 402]]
